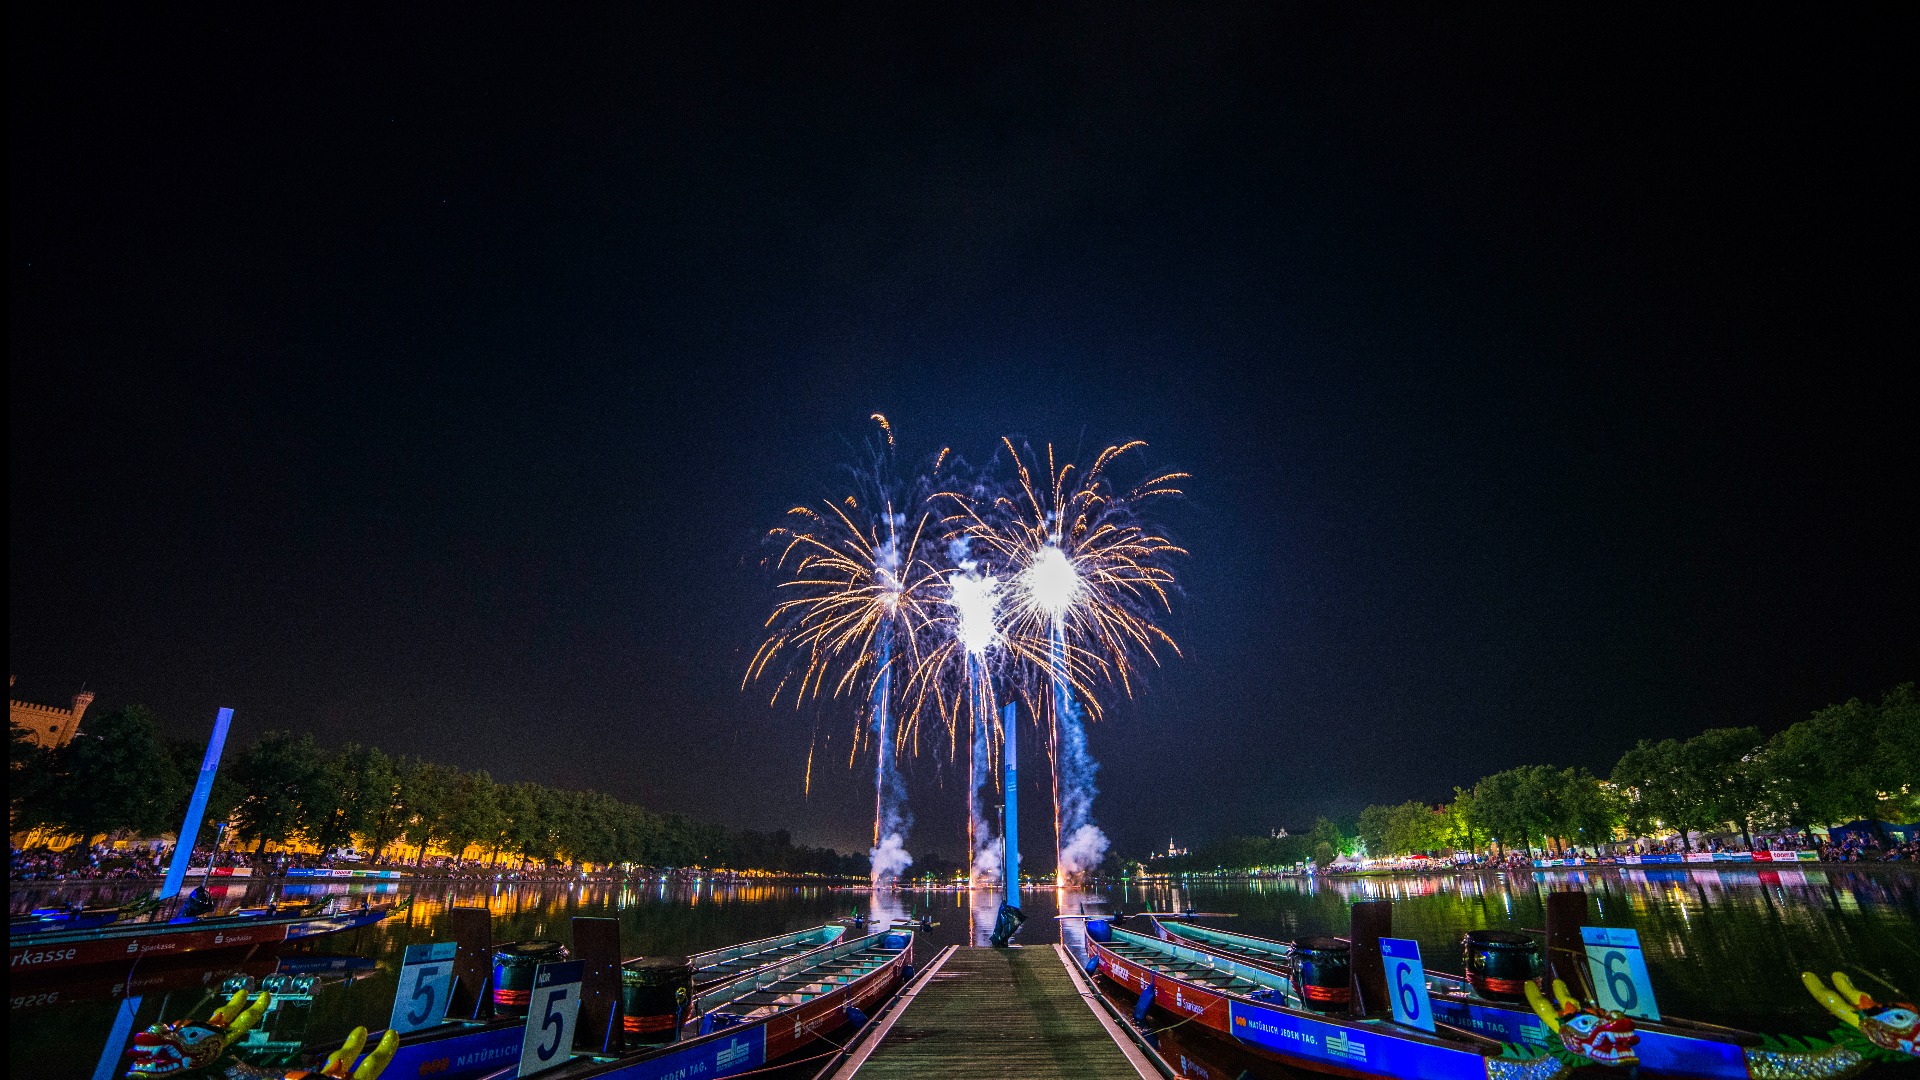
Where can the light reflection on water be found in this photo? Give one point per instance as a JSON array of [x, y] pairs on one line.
[[1724, 945]]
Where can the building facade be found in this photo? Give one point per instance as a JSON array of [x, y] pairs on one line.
[[47, 725]]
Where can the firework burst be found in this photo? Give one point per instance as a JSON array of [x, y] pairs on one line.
[[856, 598], [1080, 559], [1088, 580]]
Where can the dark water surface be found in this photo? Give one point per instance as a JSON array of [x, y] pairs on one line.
[[1724, 945]]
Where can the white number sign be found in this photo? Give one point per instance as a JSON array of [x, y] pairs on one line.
[[1407, 983], [551, 1012], [426, 976], [1619, 971]]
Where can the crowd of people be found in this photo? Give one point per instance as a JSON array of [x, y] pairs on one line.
[[1855, 851], [104, 862], [100, 862]]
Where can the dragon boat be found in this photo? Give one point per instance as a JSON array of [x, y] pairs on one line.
[[52, 950], [474, 1045], [1670, 1046], [1259, 1010], [761, 1018]]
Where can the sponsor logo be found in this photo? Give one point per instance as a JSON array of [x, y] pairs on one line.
[[30, 957], [734, 1053], [1340, 1045]]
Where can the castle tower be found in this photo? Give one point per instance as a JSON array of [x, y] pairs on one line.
[[46, 725]]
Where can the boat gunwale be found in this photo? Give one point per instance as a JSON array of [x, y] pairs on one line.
[[807, 960], [746, 948]]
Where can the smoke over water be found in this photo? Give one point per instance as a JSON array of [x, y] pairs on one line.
[[987, 857], [986, 846], [890, 859], [1082, 844], [891, 818]]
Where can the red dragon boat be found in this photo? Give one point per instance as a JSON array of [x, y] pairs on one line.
[[126, 942]]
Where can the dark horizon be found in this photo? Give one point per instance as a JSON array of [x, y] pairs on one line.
[[431, 383]]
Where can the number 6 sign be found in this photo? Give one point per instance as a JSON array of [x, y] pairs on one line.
[[426, 974], [1407, 983], [1619, 971], [551, 1011]]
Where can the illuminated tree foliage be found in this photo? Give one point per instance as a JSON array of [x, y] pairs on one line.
[[1846, 762], [121, 778]]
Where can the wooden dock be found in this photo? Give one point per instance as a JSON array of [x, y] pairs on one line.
[[997, 1012]]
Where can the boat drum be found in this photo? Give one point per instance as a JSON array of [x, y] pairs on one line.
[[1500, 963], [513, 967], [654, 992], [1321, 970]]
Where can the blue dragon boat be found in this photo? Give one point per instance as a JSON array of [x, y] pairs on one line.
[[1668, 1047], [462, 1048], [762, 1018], [1262, 1011]]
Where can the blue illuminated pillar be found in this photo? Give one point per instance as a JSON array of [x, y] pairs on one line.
[[190, 828], [1010, 828]]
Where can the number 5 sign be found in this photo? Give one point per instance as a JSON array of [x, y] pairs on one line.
[[1619, 971], [1407, 983], [551, 1011], [426, 974]]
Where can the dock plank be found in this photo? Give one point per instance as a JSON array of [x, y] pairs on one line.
[[998, 1012]]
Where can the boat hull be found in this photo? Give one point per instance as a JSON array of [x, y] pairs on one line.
[[736, 1050], [1662, 1050], [473, 1049], [1305, 1041], [122, 943]]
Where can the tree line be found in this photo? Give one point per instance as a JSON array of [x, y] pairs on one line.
[[119, 775], [1845, 762]]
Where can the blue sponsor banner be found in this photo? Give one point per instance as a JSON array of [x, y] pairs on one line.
[[1519, 1025], [481, 1051], [1666, 1053], [725, 1054], [1372, 1052]]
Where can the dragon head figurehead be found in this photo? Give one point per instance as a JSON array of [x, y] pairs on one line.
[[1894, 1027], [168, 1050], [1601, 1036], [190, 1045]]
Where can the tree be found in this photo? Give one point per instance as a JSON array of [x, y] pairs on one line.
[[1463, 820], [1846, 761], [1589, 809], [116, 775], [1665, 787], [474, 815], [282, 776], [33, 776], [1895, 754], [357, 795], [426, 797], [1374, 825], [1722, 764]]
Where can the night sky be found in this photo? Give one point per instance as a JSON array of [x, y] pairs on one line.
[[429, 378]]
